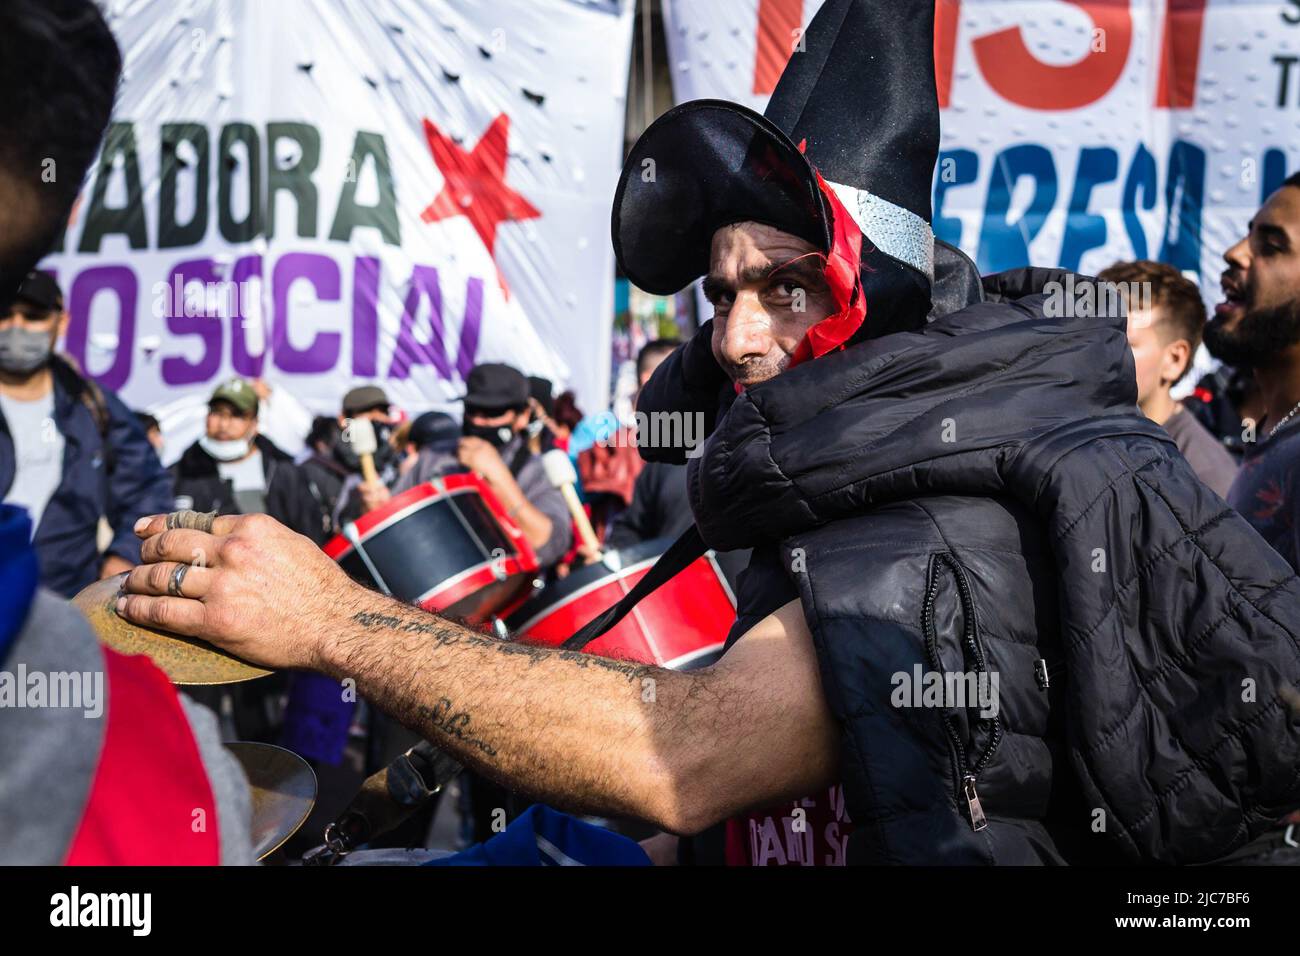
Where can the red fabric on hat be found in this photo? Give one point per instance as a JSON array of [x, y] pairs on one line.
[[843, 267]]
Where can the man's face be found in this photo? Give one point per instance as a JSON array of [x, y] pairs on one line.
[[380, 416], [1260, 314], [1160, 357], [28, 316], [227, 423], [514, 419], [768, 288]]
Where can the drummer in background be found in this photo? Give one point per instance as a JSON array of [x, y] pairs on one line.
[[494, 445], [336, 472]]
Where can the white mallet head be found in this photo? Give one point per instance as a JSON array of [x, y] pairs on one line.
[[559, 469], [359, 433]]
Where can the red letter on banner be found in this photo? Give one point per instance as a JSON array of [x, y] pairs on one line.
[[1180, 54], [778, 25], [1019, 76], [947, 14]]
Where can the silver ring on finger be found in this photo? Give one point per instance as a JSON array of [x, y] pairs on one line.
[[175, 581]]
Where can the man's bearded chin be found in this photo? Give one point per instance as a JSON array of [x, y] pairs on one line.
[[1259, 338], [756, 371]]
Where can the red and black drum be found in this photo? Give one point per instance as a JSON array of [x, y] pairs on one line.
[[683, 624], [446, 545]]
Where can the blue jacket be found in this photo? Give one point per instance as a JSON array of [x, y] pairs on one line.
[[126, 483]]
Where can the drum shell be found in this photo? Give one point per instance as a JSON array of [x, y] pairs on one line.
[[683, 624], [445, 545]]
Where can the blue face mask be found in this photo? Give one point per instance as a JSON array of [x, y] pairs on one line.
[[24, 350]]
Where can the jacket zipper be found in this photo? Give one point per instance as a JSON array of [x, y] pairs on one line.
[[965, 774]]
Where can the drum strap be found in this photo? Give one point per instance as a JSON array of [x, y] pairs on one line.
[[672, 562]]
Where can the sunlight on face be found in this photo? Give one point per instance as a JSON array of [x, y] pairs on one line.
[[768, 288]]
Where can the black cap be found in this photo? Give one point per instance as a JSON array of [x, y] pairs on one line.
[[435, 430], [39, 289], [363, 398], [496, 386], [859, 94]]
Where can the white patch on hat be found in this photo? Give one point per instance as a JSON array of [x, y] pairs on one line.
[[895, 231]]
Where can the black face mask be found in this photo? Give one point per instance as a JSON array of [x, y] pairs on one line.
[[498, 436]]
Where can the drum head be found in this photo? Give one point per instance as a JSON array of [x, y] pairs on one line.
[[187, 661], [444, 545]]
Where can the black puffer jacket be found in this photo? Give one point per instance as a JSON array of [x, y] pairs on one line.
[[982, 496]]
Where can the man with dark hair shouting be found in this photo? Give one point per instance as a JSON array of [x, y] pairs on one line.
[[986, 595], [1257, 326]]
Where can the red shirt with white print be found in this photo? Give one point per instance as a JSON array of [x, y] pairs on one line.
[[813, 831]]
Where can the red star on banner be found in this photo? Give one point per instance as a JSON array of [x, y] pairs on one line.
[[475, 183]]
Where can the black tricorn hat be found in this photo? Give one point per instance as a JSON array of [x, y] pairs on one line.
[[859, 95]]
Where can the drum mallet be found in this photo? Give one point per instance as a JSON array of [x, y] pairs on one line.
[[560, 473], [360, 434]]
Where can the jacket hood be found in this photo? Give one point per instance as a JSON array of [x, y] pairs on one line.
[[948, 409]]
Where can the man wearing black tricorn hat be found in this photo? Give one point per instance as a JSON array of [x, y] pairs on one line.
[[987, 597]]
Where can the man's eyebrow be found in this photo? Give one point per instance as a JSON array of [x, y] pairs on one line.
[[807, 267], [811, 270], [716, 283], [1268, 229]]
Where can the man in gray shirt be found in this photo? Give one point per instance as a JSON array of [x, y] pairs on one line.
[[1166, 317], [38, 452]]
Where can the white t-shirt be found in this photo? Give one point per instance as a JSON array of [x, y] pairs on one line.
[[38, 453], [248, 481]]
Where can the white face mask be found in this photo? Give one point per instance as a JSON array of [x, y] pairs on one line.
[[232, 450]]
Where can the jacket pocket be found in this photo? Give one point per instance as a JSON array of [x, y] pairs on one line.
[[973, 735]]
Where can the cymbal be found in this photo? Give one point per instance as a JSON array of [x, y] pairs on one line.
[[283, 786], [185, 660]]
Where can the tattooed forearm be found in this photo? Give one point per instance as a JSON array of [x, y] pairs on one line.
[[576, 730], [455, 725], [446, 634]]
